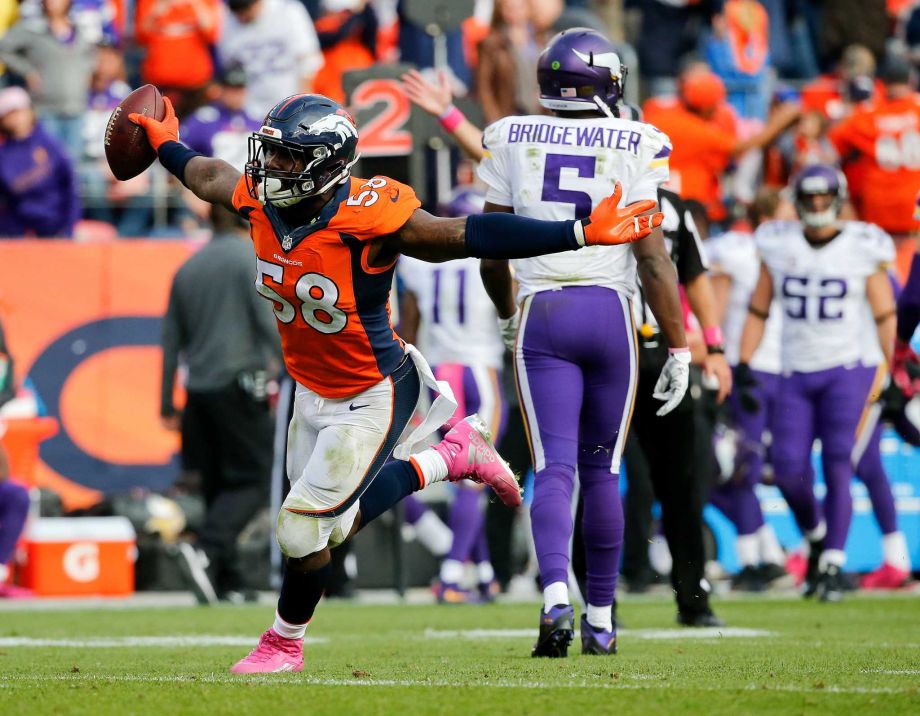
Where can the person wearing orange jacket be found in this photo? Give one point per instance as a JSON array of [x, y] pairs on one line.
[[882, 138], [704, 140]]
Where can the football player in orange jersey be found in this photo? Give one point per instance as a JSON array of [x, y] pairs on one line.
[[880, 147], [326, 245]]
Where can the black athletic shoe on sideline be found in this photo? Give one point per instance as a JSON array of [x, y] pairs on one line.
[[749, 579], [597, 642], [811, 575], [557, 629], [831, 584], [770, 572], [699, 619]]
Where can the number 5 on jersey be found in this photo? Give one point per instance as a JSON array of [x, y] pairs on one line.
[[318, 295]]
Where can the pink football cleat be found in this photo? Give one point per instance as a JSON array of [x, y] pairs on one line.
[[797, 565], [469, 453], [13, 591], [274, 653], [885, 577]]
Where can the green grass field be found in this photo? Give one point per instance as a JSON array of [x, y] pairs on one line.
[[781, 656]]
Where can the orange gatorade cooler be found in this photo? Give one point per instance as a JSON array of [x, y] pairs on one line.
[[78, 556]]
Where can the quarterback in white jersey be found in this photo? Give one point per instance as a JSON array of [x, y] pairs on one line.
[[559, 167], [825, 272], [575, 353]]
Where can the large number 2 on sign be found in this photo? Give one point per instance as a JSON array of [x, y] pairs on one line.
[[384, 135], [552, 173]]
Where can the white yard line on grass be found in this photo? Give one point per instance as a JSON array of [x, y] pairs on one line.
[[186, 640], [893, 672], [274, 679], [207, 640], [652, 634]]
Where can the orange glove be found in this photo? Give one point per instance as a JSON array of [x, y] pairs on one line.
[[158, 132], [610, 225]]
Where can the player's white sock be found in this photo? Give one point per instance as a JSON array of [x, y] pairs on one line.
[[771, 552], [431, 464], [451, 571], [835, 557], [818, 533], [555, 593], [894, 551], [287, 630], [4, 573], [433, 534], [485, 573], [748, 547], [600, 617]]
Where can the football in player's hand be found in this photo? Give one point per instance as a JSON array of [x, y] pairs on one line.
[[126, 147]]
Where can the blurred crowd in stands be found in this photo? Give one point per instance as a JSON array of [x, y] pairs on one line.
[[787, 79]]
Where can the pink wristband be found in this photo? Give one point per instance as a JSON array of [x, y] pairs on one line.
[[712, 335], [451, 119], [683, 349]]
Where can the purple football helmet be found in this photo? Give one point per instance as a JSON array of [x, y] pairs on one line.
[[578, 71], [819, 179], [464, 201]]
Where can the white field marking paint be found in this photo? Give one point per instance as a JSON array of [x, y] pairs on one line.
[[186, 640], [274, 679], [652, 634], [893, 672]]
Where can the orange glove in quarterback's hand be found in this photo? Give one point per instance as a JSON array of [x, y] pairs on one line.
[[610, 225], [158, 132]]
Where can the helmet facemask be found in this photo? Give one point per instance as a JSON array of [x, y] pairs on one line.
[[289, 173]]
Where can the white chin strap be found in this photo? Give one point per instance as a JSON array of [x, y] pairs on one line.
[[819, 219], [602, 106], [576, 105]]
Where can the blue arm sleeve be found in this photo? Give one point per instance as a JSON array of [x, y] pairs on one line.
[[506, 236], [174, 156]]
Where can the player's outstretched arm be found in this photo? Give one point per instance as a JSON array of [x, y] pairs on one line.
[[210, 179], [506, 236]]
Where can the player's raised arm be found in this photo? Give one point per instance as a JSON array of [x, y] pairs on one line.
[[210, 179], [506, 236]]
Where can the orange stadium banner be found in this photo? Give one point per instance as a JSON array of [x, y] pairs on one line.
[[83, 322]]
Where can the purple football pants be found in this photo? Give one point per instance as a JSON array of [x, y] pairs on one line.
[[831, 405], [575, 365]]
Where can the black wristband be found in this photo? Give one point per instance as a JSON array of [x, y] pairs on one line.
[[715, 348], [506, 236], [174, 156]]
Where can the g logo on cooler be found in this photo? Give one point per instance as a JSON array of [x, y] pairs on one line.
[[81, 561]]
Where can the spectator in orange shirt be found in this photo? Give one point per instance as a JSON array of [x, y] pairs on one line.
[[178, 35], [347, 32], [704, 142], [883, 137]]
